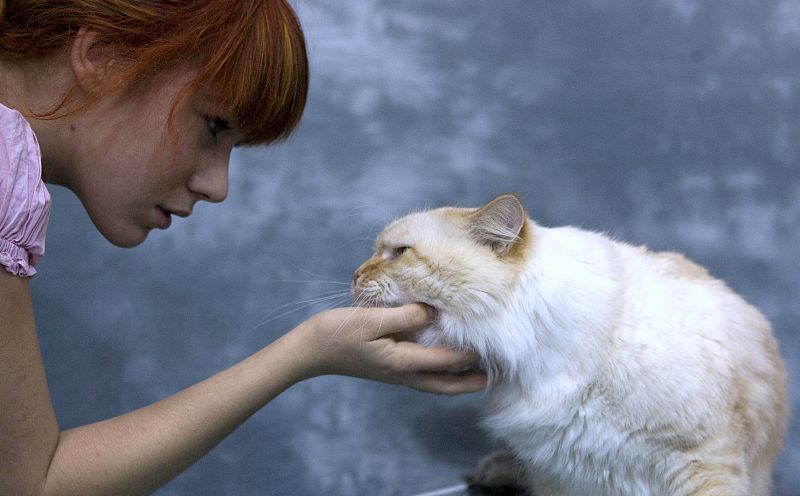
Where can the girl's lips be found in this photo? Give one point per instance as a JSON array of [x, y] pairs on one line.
[[163, 219]]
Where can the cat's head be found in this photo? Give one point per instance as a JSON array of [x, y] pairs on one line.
[[463, 262]]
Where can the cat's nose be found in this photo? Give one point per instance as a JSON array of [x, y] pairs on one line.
[[356, 275]]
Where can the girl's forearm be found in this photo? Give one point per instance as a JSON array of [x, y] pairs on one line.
[[140, 451]]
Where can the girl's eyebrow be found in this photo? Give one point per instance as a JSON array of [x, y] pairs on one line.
[[210, 106]]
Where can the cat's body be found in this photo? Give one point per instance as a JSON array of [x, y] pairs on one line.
[[617, 370]]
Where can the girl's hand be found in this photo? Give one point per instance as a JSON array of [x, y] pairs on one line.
[[366, 343]]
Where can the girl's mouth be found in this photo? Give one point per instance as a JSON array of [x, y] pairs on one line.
[[163, 218]]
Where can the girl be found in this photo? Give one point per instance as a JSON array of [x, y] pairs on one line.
[[135, 105]]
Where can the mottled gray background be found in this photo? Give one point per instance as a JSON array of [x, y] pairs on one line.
[[671, 123]]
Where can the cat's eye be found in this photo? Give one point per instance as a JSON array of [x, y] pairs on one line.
[[398, 251]]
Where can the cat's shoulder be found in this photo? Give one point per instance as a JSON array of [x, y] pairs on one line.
[[678, 265], [613, 252], [668, 263]]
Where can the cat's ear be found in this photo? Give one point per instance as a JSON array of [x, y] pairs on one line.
[[498, 223]]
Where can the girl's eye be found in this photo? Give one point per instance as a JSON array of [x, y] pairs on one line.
[[216, 125]]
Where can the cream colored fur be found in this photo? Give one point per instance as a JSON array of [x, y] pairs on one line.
[[616, 370]]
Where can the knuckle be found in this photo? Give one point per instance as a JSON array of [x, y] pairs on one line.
[[406, 320], [413, 316], [452, 389], [393, 364], [398, 367]]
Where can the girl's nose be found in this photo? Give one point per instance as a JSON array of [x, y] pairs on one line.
[[211, 182]]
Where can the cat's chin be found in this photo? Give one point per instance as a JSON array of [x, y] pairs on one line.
[[370, 302], [433, 336], [430, 336], [362, 300]]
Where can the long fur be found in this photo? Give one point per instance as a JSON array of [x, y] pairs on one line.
[[615, 370]]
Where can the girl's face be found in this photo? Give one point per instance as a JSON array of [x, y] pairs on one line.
[[133, 172]]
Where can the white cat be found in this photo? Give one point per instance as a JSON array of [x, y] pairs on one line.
[[616, 370]]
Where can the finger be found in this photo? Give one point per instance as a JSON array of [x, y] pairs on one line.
[[449, 384], [385, 321], [418, 358]]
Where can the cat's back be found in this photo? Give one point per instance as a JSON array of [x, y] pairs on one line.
[[700, 358], [681, 381], [670, 301]]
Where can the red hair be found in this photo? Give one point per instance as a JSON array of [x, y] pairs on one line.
[[252, 52]]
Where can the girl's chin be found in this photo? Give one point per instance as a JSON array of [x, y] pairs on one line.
[[125, 236], [118, 227]]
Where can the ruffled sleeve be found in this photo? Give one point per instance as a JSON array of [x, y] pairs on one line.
[[24, 199]]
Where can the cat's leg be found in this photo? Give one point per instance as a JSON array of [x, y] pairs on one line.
[[499, 473], [717, 479], [543, 488], [761, 479], [502, 474]]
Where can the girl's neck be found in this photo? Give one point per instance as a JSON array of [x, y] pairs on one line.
[[35, 87]]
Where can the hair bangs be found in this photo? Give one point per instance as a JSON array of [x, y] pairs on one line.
[[260, 71], [250, 54]]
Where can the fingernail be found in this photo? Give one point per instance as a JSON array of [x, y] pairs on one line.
[[431, 312]]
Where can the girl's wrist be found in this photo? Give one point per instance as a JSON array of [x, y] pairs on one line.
[[300, 351]]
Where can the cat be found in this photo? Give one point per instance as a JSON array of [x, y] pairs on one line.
[[614, 370]]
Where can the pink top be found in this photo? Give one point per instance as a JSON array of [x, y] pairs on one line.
[[24, 199]]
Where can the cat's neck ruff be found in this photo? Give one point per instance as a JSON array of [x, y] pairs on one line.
[[554, 325]]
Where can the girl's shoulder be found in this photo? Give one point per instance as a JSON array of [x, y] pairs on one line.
[[24, 199]]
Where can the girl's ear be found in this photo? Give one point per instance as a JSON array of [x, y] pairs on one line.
[[498, 223], [91, 60]]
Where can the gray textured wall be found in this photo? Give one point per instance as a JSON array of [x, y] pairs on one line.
[[671, 123]]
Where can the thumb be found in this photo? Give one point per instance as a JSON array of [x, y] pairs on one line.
[[412, 317]]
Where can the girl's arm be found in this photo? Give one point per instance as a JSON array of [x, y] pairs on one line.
[[137, 452], [28, 428]]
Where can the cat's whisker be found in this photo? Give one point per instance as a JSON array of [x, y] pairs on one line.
[[380, 324], [335, 298], [342, 325], [315, 277], [360, 209], [452, 490], [320, 297], [361, 300], [306, 281]]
